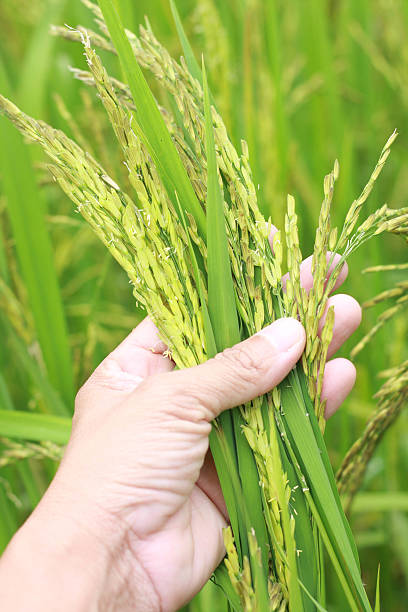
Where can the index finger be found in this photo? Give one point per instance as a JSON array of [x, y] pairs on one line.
[[306, 276]]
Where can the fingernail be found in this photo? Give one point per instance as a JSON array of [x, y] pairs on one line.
[[283, 334]]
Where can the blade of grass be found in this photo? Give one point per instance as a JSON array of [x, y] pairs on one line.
[[249, 84], [306, 561], [319, 52], [337, 565], [189, 56], [381, 501], [377, 593], [8, 522], [222, 455], [274, 47], [329, 471], [259, 573], [147, 115], [26, 208], [4, 273], [37, 64], [6, 402], [50, 397], [36, 427], [308, 456], [221, 296], [23, 468], [222, 580], [218, 269], [224, 318], [126, 12]]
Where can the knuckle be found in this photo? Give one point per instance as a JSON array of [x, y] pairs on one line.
[[185, 401], [242, 363], [82, 399], [148, 387], [178, 397]]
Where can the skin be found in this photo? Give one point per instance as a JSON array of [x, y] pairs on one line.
[[133, 519]]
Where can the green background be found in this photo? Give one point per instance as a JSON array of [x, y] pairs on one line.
[[304, 82]]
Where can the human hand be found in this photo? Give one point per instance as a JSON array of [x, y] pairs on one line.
[[134, 517]]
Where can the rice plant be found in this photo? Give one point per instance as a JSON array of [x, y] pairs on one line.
[[392, 397], [187, 229]]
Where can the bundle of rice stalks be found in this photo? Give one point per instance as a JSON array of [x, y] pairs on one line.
[[195, 246]]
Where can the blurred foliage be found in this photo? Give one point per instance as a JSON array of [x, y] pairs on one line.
[[304, 83]]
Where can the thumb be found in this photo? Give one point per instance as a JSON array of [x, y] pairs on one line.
[[238, 374]]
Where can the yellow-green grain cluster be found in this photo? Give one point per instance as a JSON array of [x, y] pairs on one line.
[[12, 451], [392, 396]]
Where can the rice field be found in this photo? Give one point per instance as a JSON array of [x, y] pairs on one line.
[[304, 84]]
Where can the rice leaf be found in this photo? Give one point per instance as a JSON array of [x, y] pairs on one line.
[[8, 522], [308, 456], [380, 501], [274, 49], [308, 567], [35, 427], [153, 128], [224, 318], [51, 398], [23, 468], [227, 467], [26, 209], [329, 470], [38, 59], [377, 593], [221, 295], [221, 579], [221, 306], [189, 56], [259, 573]]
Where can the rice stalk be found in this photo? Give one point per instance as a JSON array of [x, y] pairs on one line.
[[13, 452], [391, 398]]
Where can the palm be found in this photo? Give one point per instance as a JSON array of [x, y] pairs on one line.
[[182, 553]]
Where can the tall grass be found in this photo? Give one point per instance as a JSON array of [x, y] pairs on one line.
[[290, 115]]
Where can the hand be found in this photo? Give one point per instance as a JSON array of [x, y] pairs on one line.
[[133, 519]]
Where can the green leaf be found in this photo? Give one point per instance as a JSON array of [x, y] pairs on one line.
[[38, 57], [224, 319], [221, 295], [35, 427], [381, 501], [222, 311], [33, 491], [377, 593], [26, 209], [153, 128], [326, 461], [222, 580], [189, 56], [307, 561], [323, 501], [50, 397]]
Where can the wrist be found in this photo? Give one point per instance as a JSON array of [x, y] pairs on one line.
[[59, 568], [66, 564]]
